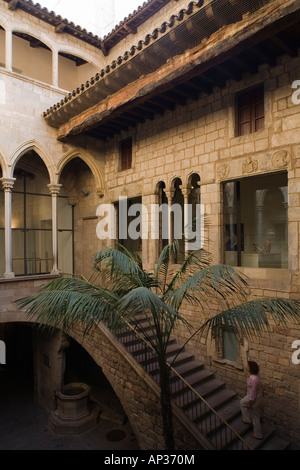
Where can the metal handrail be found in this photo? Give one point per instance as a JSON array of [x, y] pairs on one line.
[[240, 440]]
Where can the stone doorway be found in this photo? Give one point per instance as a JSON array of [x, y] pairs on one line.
[[80, 367], [23, 421]]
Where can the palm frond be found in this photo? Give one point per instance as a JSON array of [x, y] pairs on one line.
[[122, 268], [117, 261], [142, 304], [211, 282], [193, 263], [66, 302], [252, 318], [166, 256]]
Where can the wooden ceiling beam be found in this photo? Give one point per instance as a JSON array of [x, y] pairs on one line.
[[13, 5], [284, 45]]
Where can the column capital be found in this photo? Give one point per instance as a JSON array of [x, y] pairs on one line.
[[169, 193], [7, 183], [54, 188], [186, 190]]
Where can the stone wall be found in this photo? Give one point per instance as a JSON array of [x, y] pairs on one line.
[[200, 137]]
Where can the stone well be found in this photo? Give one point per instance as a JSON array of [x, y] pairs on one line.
[[74, 413]]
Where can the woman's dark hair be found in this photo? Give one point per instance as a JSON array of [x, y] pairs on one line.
[[253, 367]]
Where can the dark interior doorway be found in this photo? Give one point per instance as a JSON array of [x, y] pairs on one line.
[[17, 373], [81, 367]]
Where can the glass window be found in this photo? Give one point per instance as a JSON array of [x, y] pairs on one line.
[[126, 153], [129, 224], [31, 225], [255, 221], [250, 110], [2, 245], [65, 236], [230, 346]]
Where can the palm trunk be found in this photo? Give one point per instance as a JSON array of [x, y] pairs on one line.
[[166, 405]]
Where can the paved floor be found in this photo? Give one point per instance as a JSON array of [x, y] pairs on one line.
[[23, 426]]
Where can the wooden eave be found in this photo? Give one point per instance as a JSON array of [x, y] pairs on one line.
[[229, 53]]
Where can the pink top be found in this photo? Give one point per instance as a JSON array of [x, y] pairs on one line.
[[254, 389]]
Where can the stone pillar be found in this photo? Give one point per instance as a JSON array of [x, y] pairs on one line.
[[54, 190], [260, 199], [170, 195], [8, 184], [8, 50], [187, 222], [55, 68]]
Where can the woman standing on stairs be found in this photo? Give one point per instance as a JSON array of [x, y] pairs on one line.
[[251, 404]]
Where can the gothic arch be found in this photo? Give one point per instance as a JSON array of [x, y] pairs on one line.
[[3, 165], [173, 182], [193, 175], [102, 352], [33, 33], [78, 53], [91, 163], [41, 152]]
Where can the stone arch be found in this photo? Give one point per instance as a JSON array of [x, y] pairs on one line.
[[174, 181], [139, 401], [78, 53], [159, 185], [193, 175], [90, 162], [41, 152], [19, 28], [3, 164]]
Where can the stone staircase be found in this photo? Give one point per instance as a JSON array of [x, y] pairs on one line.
[[217, 397]]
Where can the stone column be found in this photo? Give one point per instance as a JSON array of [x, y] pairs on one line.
[[260, 199], [8, 50], [187, 218], [55, 68], [170, 195], [54, 190], [8, 184]]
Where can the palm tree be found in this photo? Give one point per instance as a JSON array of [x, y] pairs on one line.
[[122, 291]]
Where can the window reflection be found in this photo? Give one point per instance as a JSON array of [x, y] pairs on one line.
[[255, 221]]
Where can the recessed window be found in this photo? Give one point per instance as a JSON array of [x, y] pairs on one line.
[[256, 221], [250, 111], [129, 224], [230, 346], [126, 153]]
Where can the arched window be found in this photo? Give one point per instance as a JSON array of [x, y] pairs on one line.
[[31, 57], [31, 217], [195, 224], [2, 47], [177, 219], [163, 216], [2, 228]]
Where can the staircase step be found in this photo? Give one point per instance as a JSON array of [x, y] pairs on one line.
[[172, 350], [227, 412], [194, 379], [256, 444], [276, 443], [214, 393], [225, 438], [198, 410], [188, 368], [188, 396], [137, 348], [182, 358]]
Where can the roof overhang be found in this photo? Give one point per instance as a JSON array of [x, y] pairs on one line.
[[62, 25], [180, 63]]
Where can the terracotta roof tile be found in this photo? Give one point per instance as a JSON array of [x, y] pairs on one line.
[[125, 27]]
